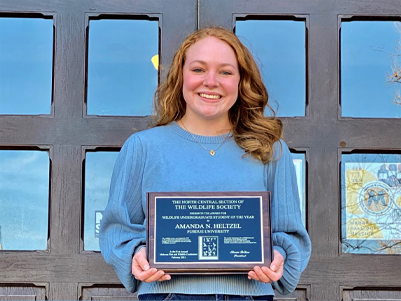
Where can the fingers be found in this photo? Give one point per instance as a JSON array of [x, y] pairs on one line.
[[271, 274], [152, 275], [142, 271], [165, 277], [253, 275], [263, 274], [155, 275]]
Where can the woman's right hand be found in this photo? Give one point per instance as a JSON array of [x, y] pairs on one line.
[[142, 271]]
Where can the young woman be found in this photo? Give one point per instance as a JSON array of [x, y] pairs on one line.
[[210, 135]]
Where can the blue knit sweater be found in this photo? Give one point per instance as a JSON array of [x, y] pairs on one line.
[[166, 159]]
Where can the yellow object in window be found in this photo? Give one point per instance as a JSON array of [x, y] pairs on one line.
[[155, 61]]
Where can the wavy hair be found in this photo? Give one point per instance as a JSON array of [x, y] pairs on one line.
[[251, 129]]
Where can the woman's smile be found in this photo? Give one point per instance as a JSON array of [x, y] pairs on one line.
[[209, 96]]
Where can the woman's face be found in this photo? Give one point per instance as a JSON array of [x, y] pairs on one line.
[[210, 80]]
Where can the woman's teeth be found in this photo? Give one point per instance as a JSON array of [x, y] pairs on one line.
[[209, 96]]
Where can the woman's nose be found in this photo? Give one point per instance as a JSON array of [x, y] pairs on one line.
[[211, 80]]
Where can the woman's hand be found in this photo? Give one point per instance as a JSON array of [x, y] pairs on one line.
[[142, 271], [269, 275]]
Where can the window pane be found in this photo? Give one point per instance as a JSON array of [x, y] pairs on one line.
[[98, 169], [24, 199], [121, 75], [371, 203], [299, 163], [26, 56], [370, 84], [279, 47]]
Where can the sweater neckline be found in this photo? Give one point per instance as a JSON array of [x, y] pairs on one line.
[[202, 139]]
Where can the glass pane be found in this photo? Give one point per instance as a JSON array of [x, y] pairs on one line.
[[299, 163], [24, 200], [122, 67], [98, 169], [26, 58], [279, 47], [370, 82], [371, 203]]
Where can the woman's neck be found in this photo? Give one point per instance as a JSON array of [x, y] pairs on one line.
[[205, 127]]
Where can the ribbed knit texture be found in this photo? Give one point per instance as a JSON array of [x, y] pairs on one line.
[[169, 159]]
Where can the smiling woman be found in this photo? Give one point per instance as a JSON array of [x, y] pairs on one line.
[[211, 135]]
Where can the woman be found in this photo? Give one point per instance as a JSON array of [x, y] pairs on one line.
[[211, 135]]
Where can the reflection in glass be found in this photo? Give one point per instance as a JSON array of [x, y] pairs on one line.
[[121, 76], [98, 169], [26, 56], [279, 47], [369, 52], [371, 203], [300, 170], [24, 199]]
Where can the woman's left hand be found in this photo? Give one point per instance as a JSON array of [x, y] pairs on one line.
[[269, 274]]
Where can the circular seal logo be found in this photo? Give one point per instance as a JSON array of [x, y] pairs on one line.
[[375, 198]]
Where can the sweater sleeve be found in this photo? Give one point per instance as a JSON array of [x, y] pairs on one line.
[[289, 235], [122, 229]]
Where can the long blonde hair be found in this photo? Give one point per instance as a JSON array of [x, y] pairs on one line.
[[251, 129]]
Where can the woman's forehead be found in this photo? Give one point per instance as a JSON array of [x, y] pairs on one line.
[[211, 48]]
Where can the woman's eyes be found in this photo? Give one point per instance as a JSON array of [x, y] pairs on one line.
[[200, 70]]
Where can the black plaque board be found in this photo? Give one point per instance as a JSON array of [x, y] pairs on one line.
[[208, 232]]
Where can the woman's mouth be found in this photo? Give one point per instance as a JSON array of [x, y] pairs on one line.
[[209, 96]]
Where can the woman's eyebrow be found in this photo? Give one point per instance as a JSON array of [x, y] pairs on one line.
[[204, 63]]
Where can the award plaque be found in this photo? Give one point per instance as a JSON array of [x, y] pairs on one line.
[[208, 232]]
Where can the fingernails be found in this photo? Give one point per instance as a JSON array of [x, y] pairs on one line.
[[146, 267], [168, 277], [273, 267], [249, 278]]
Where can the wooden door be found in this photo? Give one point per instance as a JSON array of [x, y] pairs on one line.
[[73, 130], [76, 48], [338, 127]]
